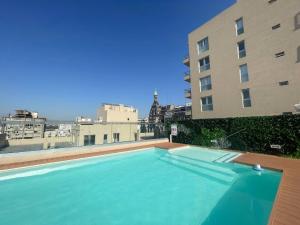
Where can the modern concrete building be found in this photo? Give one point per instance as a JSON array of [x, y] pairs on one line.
[[117, 113], [23, 125], [246, 61]]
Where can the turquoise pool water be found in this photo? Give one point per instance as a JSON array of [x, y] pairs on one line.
[[153, 187]]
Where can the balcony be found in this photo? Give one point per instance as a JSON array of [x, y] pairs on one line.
[[186, 60], [188, 112], [187, 76], [188, 93]]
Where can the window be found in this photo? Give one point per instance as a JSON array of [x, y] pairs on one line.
[[297, 21], [246, 98], [239, 26], [279, 54], [203, 45], [105, 139], [276, 26], [206, 103], [116, 137], [205, 83], [204, 64], [89, 140], [298, 54], [244, 73], [284, 83], [241, 49]]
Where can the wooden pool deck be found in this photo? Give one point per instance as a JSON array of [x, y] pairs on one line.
[[33, 162], [286, 208]]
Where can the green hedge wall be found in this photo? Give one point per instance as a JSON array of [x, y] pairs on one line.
[[257, 134]]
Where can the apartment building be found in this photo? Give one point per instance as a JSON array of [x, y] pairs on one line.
[[114, 123], [246, 61], [97, 133], [117, 113], [23, 125]]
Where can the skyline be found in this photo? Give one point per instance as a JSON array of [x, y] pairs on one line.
[[65, 59]]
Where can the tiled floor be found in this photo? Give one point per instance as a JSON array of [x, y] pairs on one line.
[[286, 209]]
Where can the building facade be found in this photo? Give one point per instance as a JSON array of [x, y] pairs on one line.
[[117, 113], [159, 114], [246, 61], [105, 133], [114, 123], [23, 125]]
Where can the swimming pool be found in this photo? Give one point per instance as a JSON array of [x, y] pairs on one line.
[[188, 186]]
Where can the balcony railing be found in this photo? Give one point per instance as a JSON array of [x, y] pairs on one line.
[[188, 93], [186, 60], [187, 76], [188, 112], [207, 107], [205, 87], [204, 67]]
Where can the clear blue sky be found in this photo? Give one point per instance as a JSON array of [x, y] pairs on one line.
[[63, 58]]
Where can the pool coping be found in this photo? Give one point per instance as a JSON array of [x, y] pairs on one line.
[[286, 207], [47, 158]]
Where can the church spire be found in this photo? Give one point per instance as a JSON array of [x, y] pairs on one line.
[[155, 94]]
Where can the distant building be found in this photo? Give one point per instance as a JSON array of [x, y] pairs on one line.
[[159, 114], [114, 123], [3, 141], [155, 116], [117, 113], [60, 130], [175, 113], [64, 130], [104, 133], [23, 125], [81, 119]]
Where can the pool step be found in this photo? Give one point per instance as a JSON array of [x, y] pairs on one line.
[[210, 170], [201, 163], [232, 158], [226, 158]]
